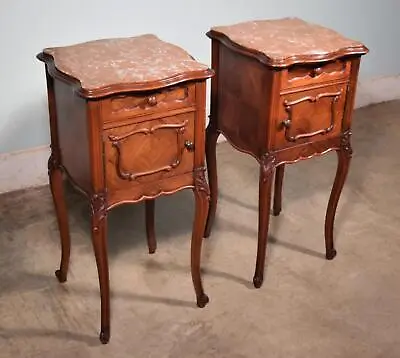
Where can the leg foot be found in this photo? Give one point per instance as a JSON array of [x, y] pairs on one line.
[[264, 202], [151, 237], [201, 193], [277, 207], [211, 156], [330, 255], [62, 277], [105, 335], [258, 281], [344, 157], [202, 300]]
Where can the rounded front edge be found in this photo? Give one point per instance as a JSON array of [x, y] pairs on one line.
[[280, 62], [118, 88]]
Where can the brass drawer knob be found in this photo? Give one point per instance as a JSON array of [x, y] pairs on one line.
[[287, 123], [316, 72], [189, 145], [152, 100]]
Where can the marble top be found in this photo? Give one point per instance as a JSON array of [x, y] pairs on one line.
[[106, 62], [288, 37]]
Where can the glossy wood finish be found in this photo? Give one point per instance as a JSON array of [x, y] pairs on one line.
[[280, 110], [126, 143]]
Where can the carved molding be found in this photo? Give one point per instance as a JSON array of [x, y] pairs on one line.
[[330, 70], [267, 163], [289, 109], [345, 143], [200, 181], [116, 142], [126, 103]]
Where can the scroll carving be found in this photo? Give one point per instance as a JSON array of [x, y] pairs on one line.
[[345, 144], [98, 207], [200, 181], [267, 165], [287, 123], [117, 143]]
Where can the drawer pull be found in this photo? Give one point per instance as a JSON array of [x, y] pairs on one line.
[[152, 101], [316, 72], [287, 123], [189, 145]]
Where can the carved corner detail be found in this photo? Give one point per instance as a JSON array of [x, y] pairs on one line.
[[345, 143], [53, 163], [98, 207], [267, 164], [200, 181]]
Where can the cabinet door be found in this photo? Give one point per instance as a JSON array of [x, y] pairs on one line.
[[149, 151], [310, 115]]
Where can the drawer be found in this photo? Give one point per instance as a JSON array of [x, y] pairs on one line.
[[149, 151], [309, 116], [125, 106], [312, 74]]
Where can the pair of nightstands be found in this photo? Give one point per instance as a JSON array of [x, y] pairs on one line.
[[127, 119]]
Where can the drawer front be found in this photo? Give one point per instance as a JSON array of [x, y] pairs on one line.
[[313, 74], [149, 151], [309, 116], [130, 105]]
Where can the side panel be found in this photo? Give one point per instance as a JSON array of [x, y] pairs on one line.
[[243, 95], [73, 134]]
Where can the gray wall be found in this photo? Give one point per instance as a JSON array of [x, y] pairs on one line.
[[26, 27]]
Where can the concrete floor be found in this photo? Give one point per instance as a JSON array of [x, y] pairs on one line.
[[308, 307]]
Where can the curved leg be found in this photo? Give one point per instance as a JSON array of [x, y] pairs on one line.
[[344, 156], [211, 156], [57, 191], [265, 184], [280, 171], [201, 193], [99, 239], [151, 237]]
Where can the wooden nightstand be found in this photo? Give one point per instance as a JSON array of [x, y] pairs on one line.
[[283, 91], [127, 119]]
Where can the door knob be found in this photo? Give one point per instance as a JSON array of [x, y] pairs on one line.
[[189, 145]]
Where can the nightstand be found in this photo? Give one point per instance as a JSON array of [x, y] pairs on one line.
[[283, 91], [127, 121]]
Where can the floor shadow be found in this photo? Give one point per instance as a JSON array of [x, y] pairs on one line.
[[152, 265], [22, 281], [89, 340], [174, 216], [235, 201], [249, 232], [79, 289]]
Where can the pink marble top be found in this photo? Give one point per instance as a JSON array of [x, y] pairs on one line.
[[107, 62], [283, 38]]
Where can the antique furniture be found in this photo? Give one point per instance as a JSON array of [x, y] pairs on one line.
[[283, 91], [127, 120]]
